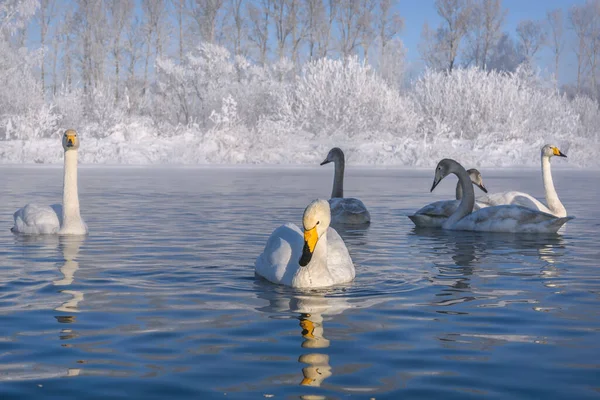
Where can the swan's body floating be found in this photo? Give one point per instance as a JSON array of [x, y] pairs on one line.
[[507, 218], [435, 214], [555, 207], [344, 210], [59, 219], [316, 258]]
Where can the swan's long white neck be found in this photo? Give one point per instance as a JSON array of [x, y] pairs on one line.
[[468, 198], [71, 218], [338, 178], [552, 199]]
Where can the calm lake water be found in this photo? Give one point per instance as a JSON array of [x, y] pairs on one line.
[[161, 301]]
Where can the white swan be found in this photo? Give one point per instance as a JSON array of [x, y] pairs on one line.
[[317, 258], [59, 219], [344, 210], [435, 214], [507, 218], [555, 207]]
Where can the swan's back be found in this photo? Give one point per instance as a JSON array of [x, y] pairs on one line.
[[36, 220], [339, 262], [510, 218], [348, 210], [512, 198]]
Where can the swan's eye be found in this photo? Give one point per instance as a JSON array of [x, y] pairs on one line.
[[318, 222]]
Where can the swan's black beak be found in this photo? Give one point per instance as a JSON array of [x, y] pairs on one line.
[[306, 256], [310, 241], [325, 162], [482, 187], [561, 154], [436, 181], [69, 143]]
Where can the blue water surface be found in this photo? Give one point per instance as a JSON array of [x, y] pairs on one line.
[[161, 301]]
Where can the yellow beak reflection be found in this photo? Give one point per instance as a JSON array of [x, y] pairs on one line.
[[310, 241], [306, 381]]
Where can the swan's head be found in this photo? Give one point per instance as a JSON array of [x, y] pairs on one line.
[[70, 140], [336, 154], [550, 150], [443, 169], [316, 219], [476, 178]]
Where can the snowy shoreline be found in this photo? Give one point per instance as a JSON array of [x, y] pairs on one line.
[[209, 150]]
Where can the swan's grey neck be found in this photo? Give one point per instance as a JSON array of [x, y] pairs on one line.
[[458, 191], [338, 178], [71, 217], [552, 199], [468, 198]]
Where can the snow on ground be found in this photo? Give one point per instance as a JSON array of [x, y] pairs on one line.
[[137, 145]]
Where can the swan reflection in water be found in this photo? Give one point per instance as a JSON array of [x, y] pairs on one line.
[[460, 259], [45, 247], [313, 309], [311, 322], [70, 246]]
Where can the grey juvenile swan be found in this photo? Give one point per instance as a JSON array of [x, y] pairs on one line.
[[344, 210]]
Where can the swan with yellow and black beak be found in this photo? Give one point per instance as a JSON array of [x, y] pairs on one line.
[[310, 258]]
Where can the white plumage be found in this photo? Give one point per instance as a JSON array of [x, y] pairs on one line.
[[554, 207], [59, 219], [328, 263]]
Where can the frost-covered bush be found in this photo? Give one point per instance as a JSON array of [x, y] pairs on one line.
[[263, 92], [490, 107], [70, 107], [191, 91], [337, 96], [23, 111], [588, 113]]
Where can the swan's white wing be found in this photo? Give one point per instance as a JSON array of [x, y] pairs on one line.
[[510, 219], [348, 210], [339, 262], [279, 260], [36, 220], [435, 214], [512, 198]]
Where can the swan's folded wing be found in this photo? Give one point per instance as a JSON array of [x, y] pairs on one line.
[[443, 208], [36, 220], [339, 261], [512, 198], [435, 214], [349, 210], [281, 254], [510, 218]]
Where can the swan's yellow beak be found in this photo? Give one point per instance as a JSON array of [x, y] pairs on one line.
[[70, 139], [557, 152], [310, 241]]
